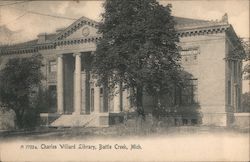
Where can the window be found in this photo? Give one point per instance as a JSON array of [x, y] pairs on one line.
[[101, 92], [52, 98], [121, 97], [235, 69], [101, 100], [236, 97], [92, 99], [189, 56], [104, 99], [229, 92], [52, 66], [187, 95], [239, 99]]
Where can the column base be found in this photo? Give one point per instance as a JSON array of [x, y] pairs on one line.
[[76, 113], [60, 112]]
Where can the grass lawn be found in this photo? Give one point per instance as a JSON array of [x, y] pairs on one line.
[[123, 143], [116, 131]]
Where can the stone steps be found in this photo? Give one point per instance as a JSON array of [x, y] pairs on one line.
[[75, 121]]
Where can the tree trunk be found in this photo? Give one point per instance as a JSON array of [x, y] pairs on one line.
[[139, 101], [19, 120]]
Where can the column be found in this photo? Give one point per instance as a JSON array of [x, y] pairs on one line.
[[116, 100], [83, 104], [77, 85], [235, 97], [96, 99], [240, 86], [60, 84]]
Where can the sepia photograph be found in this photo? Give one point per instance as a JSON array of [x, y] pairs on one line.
[[124, 80]]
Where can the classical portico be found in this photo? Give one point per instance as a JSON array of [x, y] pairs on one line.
[[82, 81], [79, 100], [78, 97]]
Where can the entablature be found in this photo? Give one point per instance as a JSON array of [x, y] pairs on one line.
[[202, 31]]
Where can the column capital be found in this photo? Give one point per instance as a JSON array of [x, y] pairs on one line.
[[77, 54], [60, 55]]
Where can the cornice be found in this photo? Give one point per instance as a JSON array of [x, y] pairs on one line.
[[194, 29], [25, 49], [77, 41], [198, 30], [48, 46], [200, 24], [232, 36]]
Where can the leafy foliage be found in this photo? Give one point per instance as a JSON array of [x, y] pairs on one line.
[[138, 49], [246, 69], [18, 84], [242, 52]]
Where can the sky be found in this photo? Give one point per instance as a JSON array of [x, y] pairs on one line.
[[20, 17]]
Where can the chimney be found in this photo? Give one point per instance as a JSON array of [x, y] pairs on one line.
[[224, 18]]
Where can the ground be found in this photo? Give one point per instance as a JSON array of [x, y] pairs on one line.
[[118, 131], [196, 143]]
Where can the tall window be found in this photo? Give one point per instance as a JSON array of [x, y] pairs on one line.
[[92, 99], [52, 66], [52, 98], [239, 99], [121, 97], [229, 92], [187, 95], [101, 100]]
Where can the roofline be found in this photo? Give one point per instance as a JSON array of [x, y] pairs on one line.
[[200, 28], [76, 25], [234, 37]]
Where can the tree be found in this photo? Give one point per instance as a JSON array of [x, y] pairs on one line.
[[18, 83], [138, 49], [244, 52], [246, 68]]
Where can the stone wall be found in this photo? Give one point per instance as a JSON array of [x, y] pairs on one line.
[[210, 72], [242, 120], [7, 119]]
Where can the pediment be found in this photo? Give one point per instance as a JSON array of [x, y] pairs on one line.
[[84, 31], [82, 27]]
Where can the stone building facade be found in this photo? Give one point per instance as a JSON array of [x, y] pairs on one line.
[[207, 47]]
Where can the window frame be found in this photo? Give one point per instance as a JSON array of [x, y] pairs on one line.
[[190, 97], [52, 65]]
